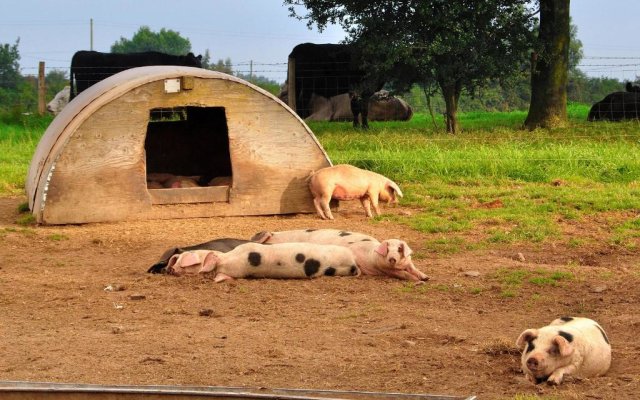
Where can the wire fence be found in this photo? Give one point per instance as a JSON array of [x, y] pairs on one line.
[[276, 73], [621, 68]]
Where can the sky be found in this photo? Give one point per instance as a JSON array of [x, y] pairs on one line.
[[260, 31]]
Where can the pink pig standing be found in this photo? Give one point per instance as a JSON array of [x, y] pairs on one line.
[[346, 182]]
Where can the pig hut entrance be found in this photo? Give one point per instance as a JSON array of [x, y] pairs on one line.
[[187, 155]]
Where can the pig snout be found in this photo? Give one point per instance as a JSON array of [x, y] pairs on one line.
[[533, 364]]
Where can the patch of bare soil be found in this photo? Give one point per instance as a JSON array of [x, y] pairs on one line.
[[77, 305]]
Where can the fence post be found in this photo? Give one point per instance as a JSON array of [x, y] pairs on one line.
[[291, 81], [41, 88]]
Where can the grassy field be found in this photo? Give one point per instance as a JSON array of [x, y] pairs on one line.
[[17, 145], [510, 183]]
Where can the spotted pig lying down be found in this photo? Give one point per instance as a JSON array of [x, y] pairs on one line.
[[255, 260], [567, 346], [391, 257]]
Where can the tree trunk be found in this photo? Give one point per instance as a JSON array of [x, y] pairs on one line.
[[549, 67], [427, 96], [451, 93]]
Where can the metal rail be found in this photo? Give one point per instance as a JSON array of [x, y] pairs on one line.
[[16, 390]]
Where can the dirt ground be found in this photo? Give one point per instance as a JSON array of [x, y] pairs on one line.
[[77, 305]]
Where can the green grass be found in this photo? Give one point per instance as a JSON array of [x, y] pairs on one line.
[[17, 145], [512, 280], [57, 237], [574, 154], [537, 177]]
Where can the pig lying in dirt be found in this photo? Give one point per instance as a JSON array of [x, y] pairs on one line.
[[346, 182], [568, 346], [255, 260], [390, 257], [221, 245]]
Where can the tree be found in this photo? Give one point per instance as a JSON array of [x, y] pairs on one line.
[[460, 45], [550, 66], [575, 48], [56, 79], [165, 41], [9, 65]]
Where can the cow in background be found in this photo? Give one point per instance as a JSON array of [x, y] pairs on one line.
[[90, 67], [382, 107], [59, 101], [617, 106], [329, 70], [632, 88]]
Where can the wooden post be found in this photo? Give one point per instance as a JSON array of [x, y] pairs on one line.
[[291, 80], [91, 34], [41, 88]]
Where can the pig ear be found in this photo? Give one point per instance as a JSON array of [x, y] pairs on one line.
[[189, 258], [526, 337], [261, 237], [383, 249], [209, 263], [406, 249], [564, 347], [395, 187], [172, 261]]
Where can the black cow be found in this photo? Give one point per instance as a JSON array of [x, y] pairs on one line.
[[90, 67], [616, 106], [632, 88], [329, 70]]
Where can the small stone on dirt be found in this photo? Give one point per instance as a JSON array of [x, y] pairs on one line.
[[206, 312], [520, 257], [137, 296], [599, 288], [117, 330], [472, 274], [114, 287]]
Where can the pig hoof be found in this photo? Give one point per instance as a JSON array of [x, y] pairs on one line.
[[554, 381]]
